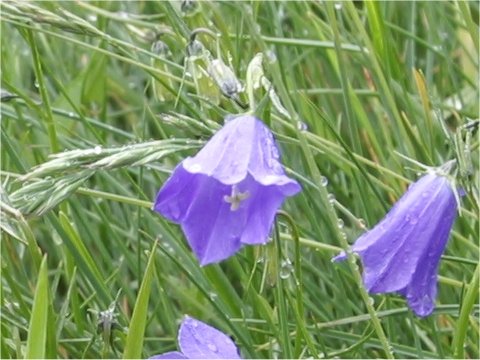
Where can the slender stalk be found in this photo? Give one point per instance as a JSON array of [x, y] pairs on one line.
[[281, 301], [47, 111], [462, 324], [323, 198]]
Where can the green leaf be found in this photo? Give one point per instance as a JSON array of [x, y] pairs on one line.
[[134, 342], [37, 330]]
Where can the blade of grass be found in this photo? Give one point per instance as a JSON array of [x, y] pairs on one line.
[[37, 330], [136, 330]]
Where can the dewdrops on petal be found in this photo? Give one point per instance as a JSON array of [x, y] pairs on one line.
[[198, 340], [402, 252], [227, 195]]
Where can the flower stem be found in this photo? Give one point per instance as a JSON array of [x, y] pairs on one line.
[[317, 178], [462, 323]]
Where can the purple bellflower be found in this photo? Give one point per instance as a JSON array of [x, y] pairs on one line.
[[402, 252], [227, 195], [198, 340]]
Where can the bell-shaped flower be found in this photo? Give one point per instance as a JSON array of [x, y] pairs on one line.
[[402, 252], [198, 340], [227, 195]]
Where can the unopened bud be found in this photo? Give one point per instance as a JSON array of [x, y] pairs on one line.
[[225, 78]]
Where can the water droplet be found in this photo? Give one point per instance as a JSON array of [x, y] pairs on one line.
[[331, 198], [324, 181], [338, 6], [371, 301], [390, 348], [286, 269], [97, 149], [260, 260], [302, 126], [271, 56], [340, 223], [71, 114], [36, 84], [212, 296], [362, 223], [92, 17], [212, 347]]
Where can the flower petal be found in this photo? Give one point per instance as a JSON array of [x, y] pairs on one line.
[[262, 208], [422, 290], [265, 164], [169, 355], [226, 155], [176, 195], [406, 234], [211, 228], [402, 252], [200, 341]]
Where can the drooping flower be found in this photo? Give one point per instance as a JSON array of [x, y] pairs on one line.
[[402, 252], [227, 195], [198, 340]]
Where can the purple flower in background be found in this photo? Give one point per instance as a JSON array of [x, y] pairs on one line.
[[227, 195], [402, 252], [198, 340]]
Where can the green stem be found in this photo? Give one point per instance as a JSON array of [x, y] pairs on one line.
[[301, 328], [323, 198], [115, 197], [280, 300], [47, 113], [462, 324]]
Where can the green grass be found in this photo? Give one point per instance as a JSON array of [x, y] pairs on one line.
[[359, 87]]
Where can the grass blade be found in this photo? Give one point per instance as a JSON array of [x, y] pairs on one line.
[[37, 330]]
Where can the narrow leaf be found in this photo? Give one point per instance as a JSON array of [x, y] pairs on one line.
[[37, 330], [136, 330]]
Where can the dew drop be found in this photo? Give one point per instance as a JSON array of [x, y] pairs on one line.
[[302, 126], [286, 269], [338, 6], [212, 296], [212, 347], [36, 84], [97, 149], [92, 17], [331, 198], [71, 114], [271, 56], [340, 223], [390, 348], [324, 181], [371, 301]]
